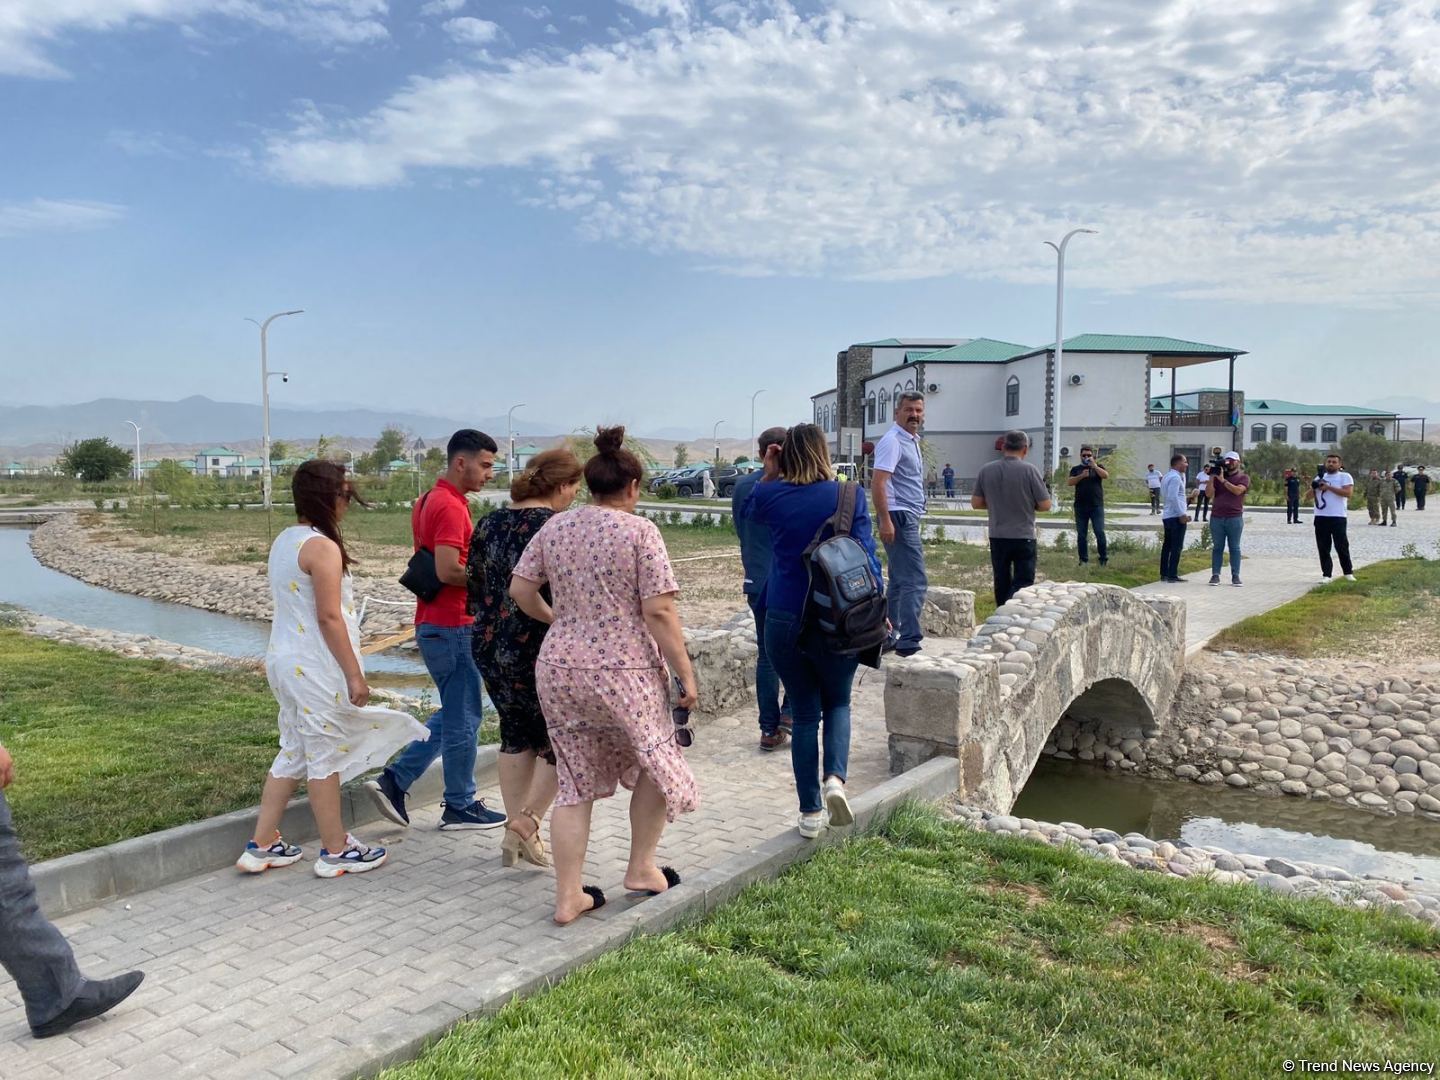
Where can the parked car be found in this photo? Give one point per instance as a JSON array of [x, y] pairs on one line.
[[675, 477], [693, 483]]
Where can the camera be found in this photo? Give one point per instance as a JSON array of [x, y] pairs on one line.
[[1319, 478]]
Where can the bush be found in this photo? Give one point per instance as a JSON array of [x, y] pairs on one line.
[[1062, 540], [1205, 541], [666, 491]]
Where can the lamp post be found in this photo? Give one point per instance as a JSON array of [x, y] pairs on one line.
[[1059, 339], [265, 374], [510, 436], [753, 396], [136, 426], [352, 459], [416, 450], [715, 438]]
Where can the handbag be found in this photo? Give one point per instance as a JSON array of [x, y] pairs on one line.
[[420, 576]]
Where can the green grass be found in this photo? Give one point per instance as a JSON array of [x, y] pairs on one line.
[[259, 528], [107, 748], [928, 950], [1333, 619]]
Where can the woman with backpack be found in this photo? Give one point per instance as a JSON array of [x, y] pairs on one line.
[[797, 499]]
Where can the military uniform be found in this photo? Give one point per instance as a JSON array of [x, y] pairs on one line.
[[1387, 500], [1372, 497]]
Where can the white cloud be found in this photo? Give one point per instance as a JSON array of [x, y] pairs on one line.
[[30, 29], [442, 7], [56, 215], [469, 31], [541, 12], [1241, 149]]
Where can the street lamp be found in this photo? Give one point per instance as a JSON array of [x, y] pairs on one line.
[[352, 459], [753, 396], [416, 450], [715, 438], [265, 374], [1059, 339], [136, 426], [510, 435]]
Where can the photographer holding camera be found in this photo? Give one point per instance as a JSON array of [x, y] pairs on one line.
[[1330, 491], [1227, 519], [1088, 479]]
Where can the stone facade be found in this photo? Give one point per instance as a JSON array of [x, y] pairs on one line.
[[1054, 649]]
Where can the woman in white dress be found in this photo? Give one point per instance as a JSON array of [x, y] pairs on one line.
[[327, 734]]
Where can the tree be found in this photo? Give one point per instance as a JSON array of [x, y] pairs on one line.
[[682, 455], [434, 458], [1269, 460], [740, 459], [322, 447], [390, 445], [171, 478], [95, 460], [1362, 451], [279, 450]]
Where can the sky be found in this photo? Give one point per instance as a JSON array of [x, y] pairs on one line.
[[646, 211]]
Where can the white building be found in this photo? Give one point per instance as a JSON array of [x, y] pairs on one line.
[[1305, 426], [976, 389], [219, 461]]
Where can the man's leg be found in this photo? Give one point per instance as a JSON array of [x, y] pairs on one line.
[[1237, 530], [1023, 558], [34, 953], [446, 652], [1218, 530], [1097, 519], [1082, 533], [1000, 568], [1420, 499], [767, 683], [1322, 544], [1342, 545], [907, 579]]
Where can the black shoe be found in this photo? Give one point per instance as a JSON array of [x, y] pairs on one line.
[[389, 799], [909, 650], [96, 996], [475, 816]]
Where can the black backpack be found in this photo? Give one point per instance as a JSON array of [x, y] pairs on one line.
[[846, 603]]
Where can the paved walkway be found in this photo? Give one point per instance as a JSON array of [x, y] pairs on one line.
[[287, 975]]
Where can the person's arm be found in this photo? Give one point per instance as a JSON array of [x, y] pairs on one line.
[[529, 599], [1236, 489], [1100, 471], [662, 619], [7, 769], [861, 531], [1075, 477], [977, 493], [1344, 492], [448, 567], [887, 457], [320, 558]]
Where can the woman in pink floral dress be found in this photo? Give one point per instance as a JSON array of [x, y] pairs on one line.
[[601, 674]]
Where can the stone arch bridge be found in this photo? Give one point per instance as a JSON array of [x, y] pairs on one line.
[[1091, 652]]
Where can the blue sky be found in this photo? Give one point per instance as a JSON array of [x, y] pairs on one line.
[[662, 206]]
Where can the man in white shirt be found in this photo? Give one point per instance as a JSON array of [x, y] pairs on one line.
[[1152, 481], [898, 492], [1331, 494]]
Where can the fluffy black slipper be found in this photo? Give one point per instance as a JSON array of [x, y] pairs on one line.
[[672, 878]]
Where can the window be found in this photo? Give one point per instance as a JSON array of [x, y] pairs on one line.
[[1307, 433], [895, 404], [1329, 433], [1377, 429], [1353, 426], [884, 405], [1279, 433], [1012, 396], [909, 384], [1257, 433], [870, 408]]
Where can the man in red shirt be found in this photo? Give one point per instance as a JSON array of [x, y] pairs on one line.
[[441, 523]]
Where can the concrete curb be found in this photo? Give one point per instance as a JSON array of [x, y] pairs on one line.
[[74, 882], [498, 983]]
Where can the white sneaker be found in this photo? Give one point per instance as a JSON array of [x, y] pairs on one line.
[[833, 791], [1349, 577], [355, 859], [1324, 581], [812, 825]]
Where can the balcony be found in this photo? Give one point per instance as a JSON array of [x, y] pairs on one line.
[[1213, 418]]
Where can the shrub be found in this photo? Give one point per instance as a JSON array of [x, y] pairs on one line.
[[1062, 540], [666, 491], [1205, 541]]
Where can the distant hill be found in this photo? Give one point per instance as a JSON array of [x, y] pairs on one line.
[[199, 420]]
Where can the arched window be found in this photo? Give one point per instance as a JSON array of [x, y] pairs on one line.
[[870, 408], [1279, 433], [1257, 433], [1307, 433], [884, 405], [909, 384], [1012, 396], [1354, 426], [896, 403], [1377, 429], [1329, 433]]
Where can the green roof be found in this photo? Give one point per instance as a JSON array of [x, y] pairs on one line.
[[1143, 343], [979, 351], [219, 451], [888, 343], [527, 450], [1163, 404], [1277, 407]]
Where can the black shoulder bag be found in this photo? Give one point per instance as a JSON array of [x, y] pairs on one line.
[[420, 576]]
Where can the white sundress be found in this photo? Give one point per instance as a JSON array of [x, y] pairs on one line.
[[321, 733]]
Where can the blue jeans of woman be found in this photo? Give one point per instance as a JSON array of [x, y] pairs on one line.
[[1225, 531], [817, 684]]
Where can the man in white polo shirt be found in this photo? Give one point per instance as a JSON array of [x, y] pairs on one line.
[[1152, 481], [899, 496], [1331, 494]]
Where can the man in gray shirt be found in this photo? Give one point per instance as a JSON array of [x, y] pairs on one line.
[[899, 496], [1011, 490]]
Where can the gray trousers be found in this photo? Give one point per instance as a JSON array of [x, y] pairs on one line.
[[35, 954]]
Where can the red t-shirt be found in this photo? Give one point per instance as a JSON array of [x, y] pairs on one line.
[[442, 519], [1224, 503]]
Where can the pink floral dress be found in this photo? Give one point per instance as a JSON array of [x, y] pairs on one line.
[[602, 682]]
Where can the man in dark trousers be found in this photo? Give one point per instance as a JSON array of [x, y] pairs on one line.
[[32, 950], [1401, 478], [756, 554], [948, 475], [1331, 491], [1420, 484], [1174, 517], [1292, 497], [1011, 490], [1088, 479]]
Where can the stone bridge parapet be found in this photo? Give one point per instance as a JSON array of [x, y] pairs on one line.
[[1056, 649]]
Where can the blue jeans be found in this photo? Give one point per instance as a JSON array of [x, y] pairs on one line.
[[1085, 518], [908, 582], [817, 683], [767, 683], [455, 727], [1225, 531]]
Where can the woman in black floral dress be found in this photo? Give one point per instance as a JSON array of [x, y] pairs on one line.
[[507, 642]]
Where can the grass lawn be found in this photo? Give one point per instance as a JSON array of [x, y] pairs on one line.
[[928, 950], [1392, 603], [108, 748]]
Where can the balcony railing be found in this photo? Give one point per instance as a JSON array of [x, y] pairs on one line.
[[1213, 418]]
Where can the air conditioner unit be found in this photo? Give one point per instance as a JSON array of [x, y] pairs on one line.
[[933, 388], [1077, 380], [1064, 451]]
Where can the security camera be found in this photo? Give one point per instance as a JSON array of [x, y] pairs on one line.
[[284, 378]]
